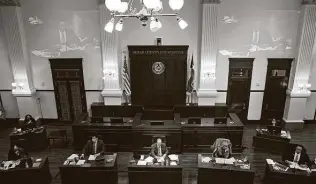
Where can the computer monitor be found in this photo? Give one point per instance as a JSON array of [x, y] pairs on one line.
[[220, 120], [194, 120], [274, 130], [156, 123], [116, 120]]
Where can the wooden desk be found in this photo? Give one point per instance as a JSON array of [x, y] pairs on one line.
[[143, 133], [117, 137], [31, 140], [263, 140], [289, 177], [34, 175], [223, 174], [155, 174], [199, 138], [99, 171]]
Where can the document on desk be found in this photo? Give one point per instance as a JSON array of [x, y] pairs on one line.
[[141, 162], [80, 162], [269, 161], [73, 156], [225, 161], [206, 159], [174, 157], [149, 159], [92, 157]]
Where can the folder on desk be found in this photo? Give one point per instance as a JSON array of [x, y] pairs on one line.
[[141, 162], [224, 161]]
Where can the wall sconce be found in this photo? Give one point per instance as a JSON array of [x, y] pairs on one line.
[[108, 73], [17, 86], [304, 87], [208, 75]]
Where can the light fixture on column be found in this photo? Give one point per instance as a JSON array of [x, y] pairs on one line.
[[149, 9], [109, 73], [119, 25], [109, 26], [182, 24]]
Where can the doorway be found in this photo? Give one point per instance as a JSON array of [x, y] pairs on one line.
[[69, 88], [277, 79], [239, 83]]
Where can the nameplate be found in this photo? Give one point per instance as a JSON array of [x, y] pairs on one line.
[[158, 52]]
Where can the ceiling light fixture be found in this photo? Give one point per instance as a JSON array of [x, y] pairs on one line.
[[151, 9]]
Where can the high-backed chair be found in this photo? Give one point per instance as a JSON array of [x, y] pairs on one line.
[[218, 142]]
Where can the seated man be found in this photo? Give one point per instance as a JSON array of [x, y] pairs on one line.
[[299, 156], [95, 146], [222, 149], [159, 150]]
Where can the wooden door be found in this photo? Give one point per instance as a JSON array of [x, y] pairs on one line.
[[277, 79], [69, 88], [158, 75], [239, 83]]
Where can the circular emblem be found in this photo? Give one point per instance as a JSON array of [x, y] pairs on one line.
[[158, 68]]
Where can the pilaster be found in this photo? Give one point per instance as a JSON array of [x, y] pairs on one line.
[[209, 49], [109, 50], [299, 87], [22, 88]]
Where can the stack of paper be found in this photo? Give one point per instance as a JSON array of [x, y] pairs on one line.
[[92, 157], [206, 159], [225, 161], [269, 161], [149, 159], [174, 157], [141, 162], [80, 162], [73, 156]]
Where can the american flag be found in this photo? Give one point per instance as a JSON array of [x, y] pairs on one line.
[[126, 79], [190, 86]]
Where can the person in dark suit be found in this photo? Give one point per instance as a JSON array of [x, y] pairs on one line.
[[298, 156], [223, 150], [95, 146], [159, 150], [29, 122], [20, 156], [16, 153]]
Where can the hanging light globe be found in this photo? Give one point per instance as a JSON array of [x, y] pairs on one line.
[[151, 4], [176, 5], [113, 5], [123, 7]]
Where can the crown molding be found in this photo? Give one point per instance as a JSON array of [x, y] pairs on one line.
[[308, 2], [10, 3], [210, 1]]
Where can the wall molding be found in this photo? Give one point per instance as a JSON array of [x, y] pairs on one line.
[[210, 1], [10, 3]]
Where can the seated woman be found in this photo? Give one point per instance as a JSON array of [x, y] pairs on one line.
[[20, 156], [222, 149], [29, 122]]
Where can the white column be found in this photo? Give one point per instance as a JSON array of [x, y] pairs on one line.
[[207, 90], [20, 60], [299, 89], [109, 49]]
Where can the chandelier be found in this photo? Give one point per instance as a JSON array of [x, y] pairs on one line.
[[151, 10]]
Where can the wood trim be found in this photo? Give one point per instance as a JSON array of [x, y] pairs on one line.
[[93, 90], [5, 90], [256, 91], [221, 91]]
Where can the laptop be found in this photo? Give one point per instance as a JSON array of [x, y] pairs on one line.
[[194, 121], [274, 130], [156, 123]]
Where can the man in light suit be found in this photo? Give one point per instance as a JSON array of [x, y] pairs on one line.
[[95, 146], [159, 150]]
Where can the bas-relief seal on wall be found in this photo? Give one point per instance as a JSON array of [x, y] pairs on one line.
[[158, 68]]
